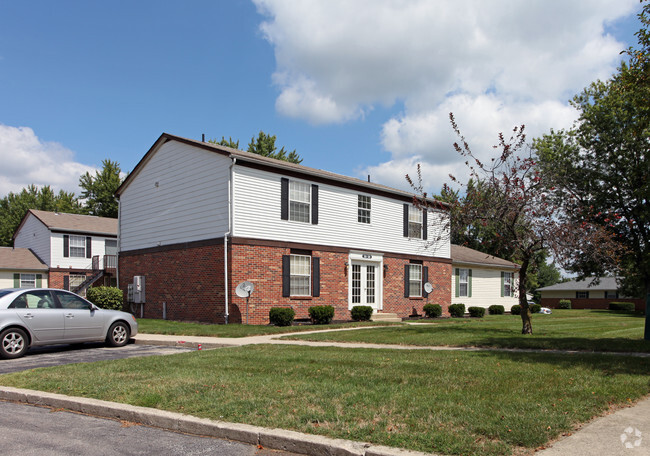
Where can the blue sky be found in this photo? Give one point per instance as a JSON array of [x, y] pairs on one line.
[[356, 87]]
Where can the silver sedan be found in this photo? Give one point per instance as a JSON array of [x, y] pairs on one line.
[[47, 316]]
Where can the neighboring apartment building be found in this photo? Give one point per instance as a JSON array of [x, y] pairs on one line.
[[587, 294], [21, 268], [481, 280], [197, 219], [79, 250]]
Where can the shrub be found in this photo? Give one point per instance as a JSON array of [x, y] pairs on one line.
[[457, 310], [281, 316], [361, 313], [432, 310], [624, 306], [321, 315], [564, 304], [106, 297], [515, 310], [496, 309], [535, 308], [476, 312]]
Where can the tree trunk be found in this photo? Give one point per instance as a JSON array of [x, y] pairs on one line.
[[646, 334], [526, 320]]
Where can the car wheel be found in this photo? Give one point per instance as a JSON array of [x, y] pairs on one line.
[[118, 334], [13, 343]]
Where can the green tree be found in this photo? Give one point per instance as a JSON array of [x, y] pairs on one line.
[[99, 190], [265, 145], [226, 142], [602, 165], [14, 207]]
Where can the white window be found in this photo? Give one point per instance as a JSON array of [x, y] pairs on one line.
[[78, 246], [299, 201], [463, 282], [415, 222], [415, 280], [300, 275], [363, 209], [27, 280], [76, 280], [507, 284]]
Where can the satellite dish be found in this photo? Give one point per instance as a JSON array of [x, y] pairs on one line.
[[428, 287], [244, 289]]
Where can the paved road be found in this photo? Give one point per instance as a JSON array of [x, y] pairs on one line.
[[42, 431], [56, 355]]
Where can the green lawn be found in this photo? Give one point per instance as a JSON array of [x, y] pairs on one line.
[[152, 326], [592, 330], [479, 403]]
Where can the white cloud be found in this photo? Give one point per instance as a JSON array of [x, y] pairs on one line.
[[28, 160], [495, 64]]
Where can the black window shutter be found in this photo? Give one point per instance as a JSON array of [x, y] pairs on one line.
[[314, 204], [89, 242], [424, 224], [425, 279], [66, 246], [284, 198], [286, 276], [406, 280], [16, 280], [66, 283], [406, 220], [315, 277]]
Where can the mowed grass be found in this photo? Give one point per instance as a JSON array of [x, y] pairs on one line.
[[591, 330], [479, 403], [153, 326]]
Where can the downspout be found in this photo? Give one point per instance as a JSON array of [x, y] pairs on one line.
[[119, 242], [231, 208]]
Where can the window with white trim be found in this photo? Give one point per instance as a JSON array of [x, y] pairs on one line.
[[415, 280], [300, 275], [507, 284], [77, 246], [299, 201], [415, 222], [27, 280], [76, 280], [582, 295], [463, 282], [363, 210]]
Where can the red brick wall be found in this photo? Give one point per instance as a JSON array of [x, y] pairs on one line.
[[592, 303], [191, 282]]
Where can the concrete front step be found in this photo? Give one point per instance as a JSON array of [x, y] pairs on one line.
[[384, 316]]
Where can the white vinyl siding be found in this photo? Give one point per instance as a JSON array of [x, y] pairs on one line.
[[180, 195], [486, 288], [35, 235], [257, 215]]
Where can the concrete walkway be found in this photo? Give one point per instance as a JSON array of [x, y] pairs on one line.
[[625, 432]]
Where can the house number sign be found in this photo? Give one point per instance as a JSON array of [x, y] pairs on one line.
[[366, 256]]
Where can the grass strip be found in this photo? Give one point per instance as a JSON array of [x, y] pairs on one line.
[[154, 326], [479, 403], [589, 330]]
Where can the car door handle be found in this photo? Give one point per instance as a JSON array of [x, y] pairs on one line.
[[28, 316], [69, 315]]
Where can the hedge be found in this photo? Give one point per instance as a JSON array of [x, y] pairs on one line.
[[535, 308], [496, 309], [457, 310], [321, 315], [432, 310], [564, 304], [361, 313], [105, 297], [476, 312], [624, 306], [281, 316], [515, 310]]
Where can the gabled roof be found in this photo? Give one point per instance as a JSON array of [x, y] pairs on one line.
[[606, 283], [465, 255], [74, 223], [20, 259], [273, 165]]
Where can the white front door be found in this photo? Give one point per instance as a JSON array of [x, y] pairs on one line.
[[365, 285]]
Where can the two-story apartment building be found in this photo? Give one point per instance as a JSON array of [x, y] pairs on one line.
[[79, 250], [197, 219]]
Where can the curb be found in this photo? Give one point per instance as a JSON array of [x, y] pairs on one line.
[[276, 439]]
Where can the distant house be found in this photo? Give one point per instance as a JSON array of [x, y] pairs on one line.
[[586, 294], [482, 280], [197, 219], [21, 268], [79, 250]]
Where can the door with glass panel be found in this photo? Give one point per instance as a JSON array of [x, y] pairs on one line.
[[365, 286]]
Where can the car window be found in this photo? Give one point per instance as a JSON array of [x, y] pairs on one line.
[[70, 301], [5, 292], [38, 299]]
